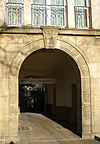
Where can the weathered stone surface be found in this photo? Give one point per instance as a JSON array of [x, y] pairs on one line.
[[14, 70], [83, 45], [50, 36], [14, 49]]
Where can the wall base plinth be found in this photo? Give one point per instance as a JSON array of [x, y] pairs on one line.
[[87, 136]]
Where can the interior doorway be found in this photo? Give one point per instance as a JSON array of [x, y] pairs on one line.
[[49, 83]]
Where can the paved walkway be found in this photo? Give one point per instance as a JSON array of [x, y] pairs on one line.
[[38, 129]]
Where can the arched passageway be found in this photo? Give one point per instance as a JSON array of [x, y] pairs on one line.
[[82, 62], [49, 83]]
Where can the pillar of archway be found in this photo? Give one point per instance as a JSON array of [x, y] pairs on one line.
[[50, 39]]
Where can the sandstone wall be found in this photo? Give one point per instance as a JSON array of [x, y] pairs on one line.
[[11, 44]]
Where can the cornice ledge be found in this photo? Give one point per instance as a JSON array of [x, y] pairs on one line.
[[39, 30], [21, 30], [86, 32]]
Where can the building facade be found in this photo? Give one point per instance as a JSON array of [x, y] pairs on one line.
[[57, 43]]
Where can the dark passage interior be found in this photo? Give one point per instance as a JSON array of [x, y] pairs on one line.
[[32, 98], [49, 83]]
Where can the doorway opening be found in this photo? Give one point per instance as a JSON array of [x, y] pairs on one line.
[[50, 84]]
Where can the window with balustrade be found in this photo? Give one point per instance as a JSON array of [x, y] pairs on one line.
[[14, 12], [82, 13], [48, 13]]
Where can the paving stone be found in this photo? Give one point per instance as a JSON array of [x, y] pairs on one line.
[[53, 143], [32, 142], [71, 142], [63, 142], [38, 129], [90, 142]]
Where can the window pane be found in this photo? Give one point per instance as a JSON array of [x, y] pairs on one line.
[[81, 17], [38, 16], [14, 1], [56, 2], [38, 1], [57, 16], [14, 15], [80, 2], [52, 13]]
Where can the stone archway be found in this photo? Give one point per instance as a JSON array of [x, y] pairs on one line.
[[81, 61]]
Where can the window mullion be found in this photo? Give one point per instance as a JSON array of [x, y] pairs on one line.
[[88, 17], [48, 15], [87, 3], [65, 3]]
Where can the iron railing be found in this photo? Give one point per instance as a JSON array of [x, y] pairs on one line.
[[14, 15], [38, 16], [82, 17], [57, 16], [48, 15]]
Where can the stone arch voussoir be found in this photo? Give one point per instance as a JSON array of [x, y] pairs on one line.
[[22, 55]]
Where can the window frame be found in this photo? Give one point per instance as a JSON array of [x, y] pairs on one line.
[[48, 6], [22, 13], [87, 7], [14, 3], [87, 3]]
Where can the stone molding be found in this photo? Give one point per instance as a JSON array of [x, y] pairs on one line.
[[62, 31]]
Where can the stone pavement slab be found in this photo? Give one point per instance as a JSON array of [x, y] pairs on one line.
[[38, 129], [90, 142], [64, 142]]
